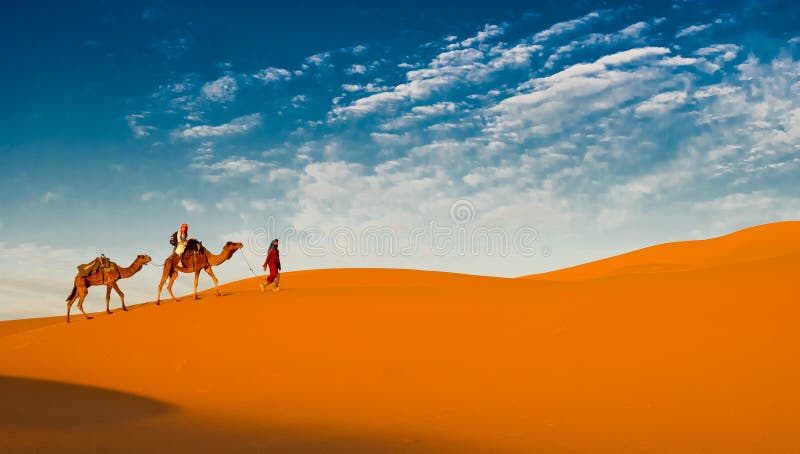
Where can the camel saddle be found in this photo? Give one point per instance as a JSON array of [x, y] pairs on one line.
[[100, 263], [193, 246]]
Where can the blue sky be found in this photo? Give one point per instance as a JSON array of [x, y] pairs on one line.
[[601, 126]]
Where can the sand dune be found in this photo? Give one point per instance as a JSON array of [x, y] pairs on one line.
[[753, 244], [621, 355]]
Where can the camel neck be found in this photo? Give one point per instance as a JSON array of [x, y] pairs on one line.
[[214, 259], [131, 270]]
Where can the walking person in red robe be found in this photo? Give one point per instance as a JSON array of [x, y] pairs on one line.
[[274, 263]]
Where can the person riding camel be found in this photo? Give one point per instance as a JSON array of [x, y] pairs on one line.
[[179, 240], [274, 263]]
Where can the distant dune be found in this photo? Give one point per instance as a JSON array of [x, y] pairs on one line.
[[687, 347], [756, 243]]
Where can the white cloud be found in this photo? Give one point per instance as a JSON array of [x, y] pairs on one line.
[[317, 60], [356, 69], [221, 90], [273, 74], [633, 31], [299, 100], [180, 87], [448, 69], [369, 88], [228, 204], [516, 56], [661, 103], [205, 149], [678, 61], [582, 78], [489, 31], [723, 52], [49, 196], [238, 125], [628, 56], [147, 196], [137, 129], [439, 108], [232, 166], [192, 206], [630, 33], [692, 29], [715, 90], [547, 106], [564, 27]]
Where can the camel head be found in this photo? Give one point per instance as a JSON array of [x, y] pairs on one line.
[[144, 259], [233, 247]]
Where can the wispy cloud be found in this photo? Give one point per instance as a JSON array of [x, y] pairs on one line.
[[317, 60], [692, 30], [238, 125], [565, 27], [49, 196], [138, 129], [489, 31], [630, 33], [299, 100], [439, 108], [273, 74], [628, 56], [229, 167], [148, 196], [722, 52], [449, 68], [356, 69], [369, 88], [221, 90], [192, 206], [661, 103]]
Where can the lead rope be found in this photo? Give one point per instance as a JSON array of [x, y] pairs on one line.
[[244, 256]]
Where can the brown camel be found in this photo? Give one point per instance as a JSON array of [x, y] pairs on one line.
[[108, 278], [193, 262]]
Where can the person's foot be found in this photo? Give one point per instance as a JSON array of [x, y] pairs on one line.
[[275, 289], [261, 286]]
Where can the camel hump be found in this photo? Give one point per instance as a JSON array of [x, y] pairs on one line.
[[96, 265], [193, 244]]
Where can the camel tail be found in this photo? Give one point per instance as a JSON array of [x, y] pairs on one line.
[[72, 295]]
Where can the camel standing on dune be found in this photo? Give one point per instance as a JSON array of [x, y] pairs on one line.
[[195, 259], [108, 278]]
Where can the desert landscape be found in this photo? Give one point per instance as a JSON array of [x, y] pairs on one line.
[[680, 347]]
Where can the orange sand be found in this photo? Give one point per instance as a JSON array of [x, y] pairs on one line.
[[680, 348]]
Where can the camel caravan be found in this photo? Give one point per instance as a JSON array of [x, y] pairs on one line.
[[189, 256]]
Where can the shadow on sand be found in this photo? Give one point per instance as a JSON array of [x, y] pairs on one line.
[[27, 402], [40, 416]]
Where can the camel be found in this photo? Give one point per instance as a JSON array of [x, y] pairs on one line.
[[195, 259], [107, 278]]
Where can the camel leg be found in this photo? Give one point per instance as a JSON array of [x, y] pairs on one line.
[[172, 278], [196, 278], [108, 299], [164, 275], [160, 285], [214, 279], [69, 304], [80, 305], [121, 296]]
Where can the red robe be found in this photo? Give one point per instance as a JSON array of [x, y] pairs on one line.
[[274, 263]]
